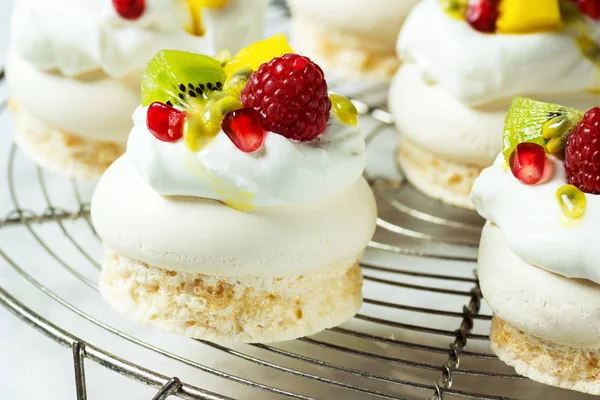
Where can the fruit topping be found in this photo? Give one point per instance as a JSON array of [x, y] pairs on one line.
[[518, 16], [290, 94], [582, 153], [527, 163], [343, 109], [165, 122], [572, 201], [455, 8], [591, 8], [482, 15], [546, 124], [244, 129], [180, 78], [259, 53], [129, 9]]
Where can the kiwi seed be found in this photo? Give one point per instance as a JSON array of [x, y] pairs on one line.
[[219, 85], [209, 86], [192, 93], [182, 87], [181, 96], [169, 103]]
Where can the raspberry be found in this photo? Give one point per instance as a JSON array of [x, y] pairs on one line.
[[290, 95], [482, 15], [591, 8], [582, 153]]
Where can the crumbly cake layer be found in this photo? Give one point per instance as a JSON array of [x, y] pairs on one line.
[[442, 179], [231, 309], [545, 361], [60, 151], [351, 55]]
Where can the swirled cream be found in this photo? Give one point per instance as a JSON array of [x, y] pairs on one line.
[[283, 172], [477, 68], [75, 37], [533, 225]]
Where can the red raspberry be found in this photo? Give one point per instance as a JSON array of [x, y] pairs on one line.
[[582, 153], [591, 8], [482, 15], [290, 94]]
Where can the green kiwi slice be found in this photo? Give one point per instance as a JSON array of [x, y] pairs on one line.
[[180, 78], [546, 124]]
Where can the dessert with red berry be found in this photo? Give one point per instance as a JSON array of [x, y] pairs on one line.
[[239, 211], [74, 68], [354, 38], [538, 258], [463, 63]]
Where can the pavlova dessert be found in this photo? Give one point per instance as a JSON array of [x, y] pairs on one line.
[[355, 38], [464, 62], [238, 212], [538, 260], [74, 68]]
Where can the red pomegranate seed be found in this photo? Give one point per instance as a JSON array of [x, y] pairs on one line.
[[244, 129], [482, 15], [591, 8], [527, 163], [129, 9], [165, 122]]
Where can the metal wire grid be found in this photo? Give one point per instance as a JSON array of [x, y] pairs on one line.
[[409, 225]]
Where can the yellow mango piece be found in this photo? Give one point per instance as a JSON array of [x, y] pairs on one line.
[[519, 16], [259, 53], [214, 3]]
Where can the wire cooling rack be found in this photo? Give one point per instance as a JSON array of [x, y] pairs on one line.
[[421, 334]]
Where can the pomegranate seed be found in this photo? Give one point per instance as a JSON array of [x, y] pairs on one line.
[[165, 122], [129, 9], [482, 15], [591, 8], [244, 129], [527, 163]]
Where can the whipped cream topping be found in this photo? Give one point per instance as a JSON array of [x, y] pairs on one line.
[[282, 172], [534, 226], [478, 68], [75, 37]]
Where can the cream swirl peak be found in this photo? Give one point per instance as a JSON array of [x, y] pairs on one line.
[[251, 131], [478, 68], [548, 209], [75, 37], [283, 172]]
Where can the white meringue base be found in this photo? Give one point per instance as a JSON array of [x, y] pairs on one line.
[[537, 302], [433, 119], [60, 151], [208, 237], [93, 106], [356, 38]]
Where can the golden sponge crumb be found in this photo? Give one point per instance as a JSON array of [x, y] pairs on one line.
[[355, 56], [545, 361], [60, 151], [441, 179], [231, 309]]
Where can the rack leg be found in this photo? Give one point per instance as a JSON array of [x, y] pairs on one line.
[[172, 386], [78, 357]]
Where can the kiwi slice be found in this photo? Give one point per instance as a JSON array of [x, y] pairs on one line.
[[546, 124], [180, 78]]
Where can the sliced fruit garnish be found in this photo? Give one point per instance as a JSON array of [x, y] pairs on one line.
[[572, 201], [180, 78], [529, 121], [482, 15], [244, 129], [165, 122], [518, 16], [527, 163], [129, 9], [259, 53], [343, 109]]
